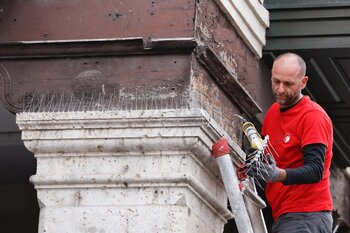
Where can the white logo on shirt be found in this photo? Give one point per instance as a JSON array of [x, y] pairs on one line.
[[286, 138]]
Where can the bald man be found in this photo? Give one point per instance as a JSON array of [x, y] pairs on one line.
[[297, 171]]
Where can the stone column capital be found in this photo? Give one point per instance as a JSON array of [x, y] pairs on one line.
[[147, 161]]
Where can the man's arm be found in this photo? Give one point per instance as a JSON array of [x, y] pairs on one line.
[[311, 171]]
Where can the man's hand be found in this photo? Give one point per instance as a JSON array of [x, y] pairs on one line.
[[266, 170]]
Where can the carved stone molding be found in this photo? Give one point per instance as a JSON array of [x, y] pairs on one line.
[[93, 82], [128, 171], [6, 89]]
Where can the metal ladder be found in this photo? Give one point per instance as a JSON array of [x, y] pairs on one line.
[[221, 151]]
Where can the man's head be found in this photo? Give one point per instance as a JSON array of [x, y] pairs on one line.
[[288, 79]]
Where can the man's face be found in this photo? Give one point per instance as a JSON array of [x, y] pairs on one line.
[[287, 82]]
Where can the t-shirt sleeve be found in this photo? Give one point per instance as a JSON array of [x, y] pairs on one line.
[[266, 121], [315, 129]]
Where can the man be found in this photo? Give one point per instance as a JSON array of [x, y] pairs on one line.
[[297, 168]]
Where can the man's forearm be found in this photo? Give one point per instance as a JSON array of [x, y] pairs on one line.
[[311, 171]]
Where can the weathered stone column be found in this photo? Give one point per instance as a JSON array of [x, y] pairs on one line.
[[127, 171]]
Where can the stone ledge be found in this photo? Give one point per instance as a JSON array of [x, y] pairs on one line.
[[114, 159]]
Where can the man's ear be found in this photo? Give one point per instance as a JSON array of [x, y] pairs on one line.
[[304, 82]]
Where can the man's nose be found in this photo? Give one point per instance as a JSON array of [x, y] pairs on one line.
[[280, 88]]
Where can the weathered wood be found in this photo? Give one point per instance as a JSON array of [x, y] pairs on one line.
[[309, 28], [302, 27], [276, 4]]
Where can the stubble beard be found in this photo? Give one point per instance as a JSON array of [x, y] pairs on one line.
[[286, 101]]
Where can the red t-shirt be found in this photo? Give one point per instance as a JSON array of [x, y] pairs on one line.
[[289, 131]]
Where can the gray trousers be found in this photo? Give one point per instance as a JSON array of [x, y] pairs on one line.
[[306, 222]]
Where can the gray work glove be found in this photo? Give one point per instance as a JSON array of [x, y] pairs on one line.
[[266, 170]]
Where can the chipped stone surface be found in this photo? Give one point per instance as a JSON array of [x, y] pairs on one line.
[[131, 171]]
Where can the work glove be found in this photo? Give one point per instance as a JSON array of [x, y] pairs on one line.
[[266, 170]]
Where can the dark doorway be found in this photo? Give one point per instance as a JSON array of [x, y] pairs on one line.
[[19, 210]]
